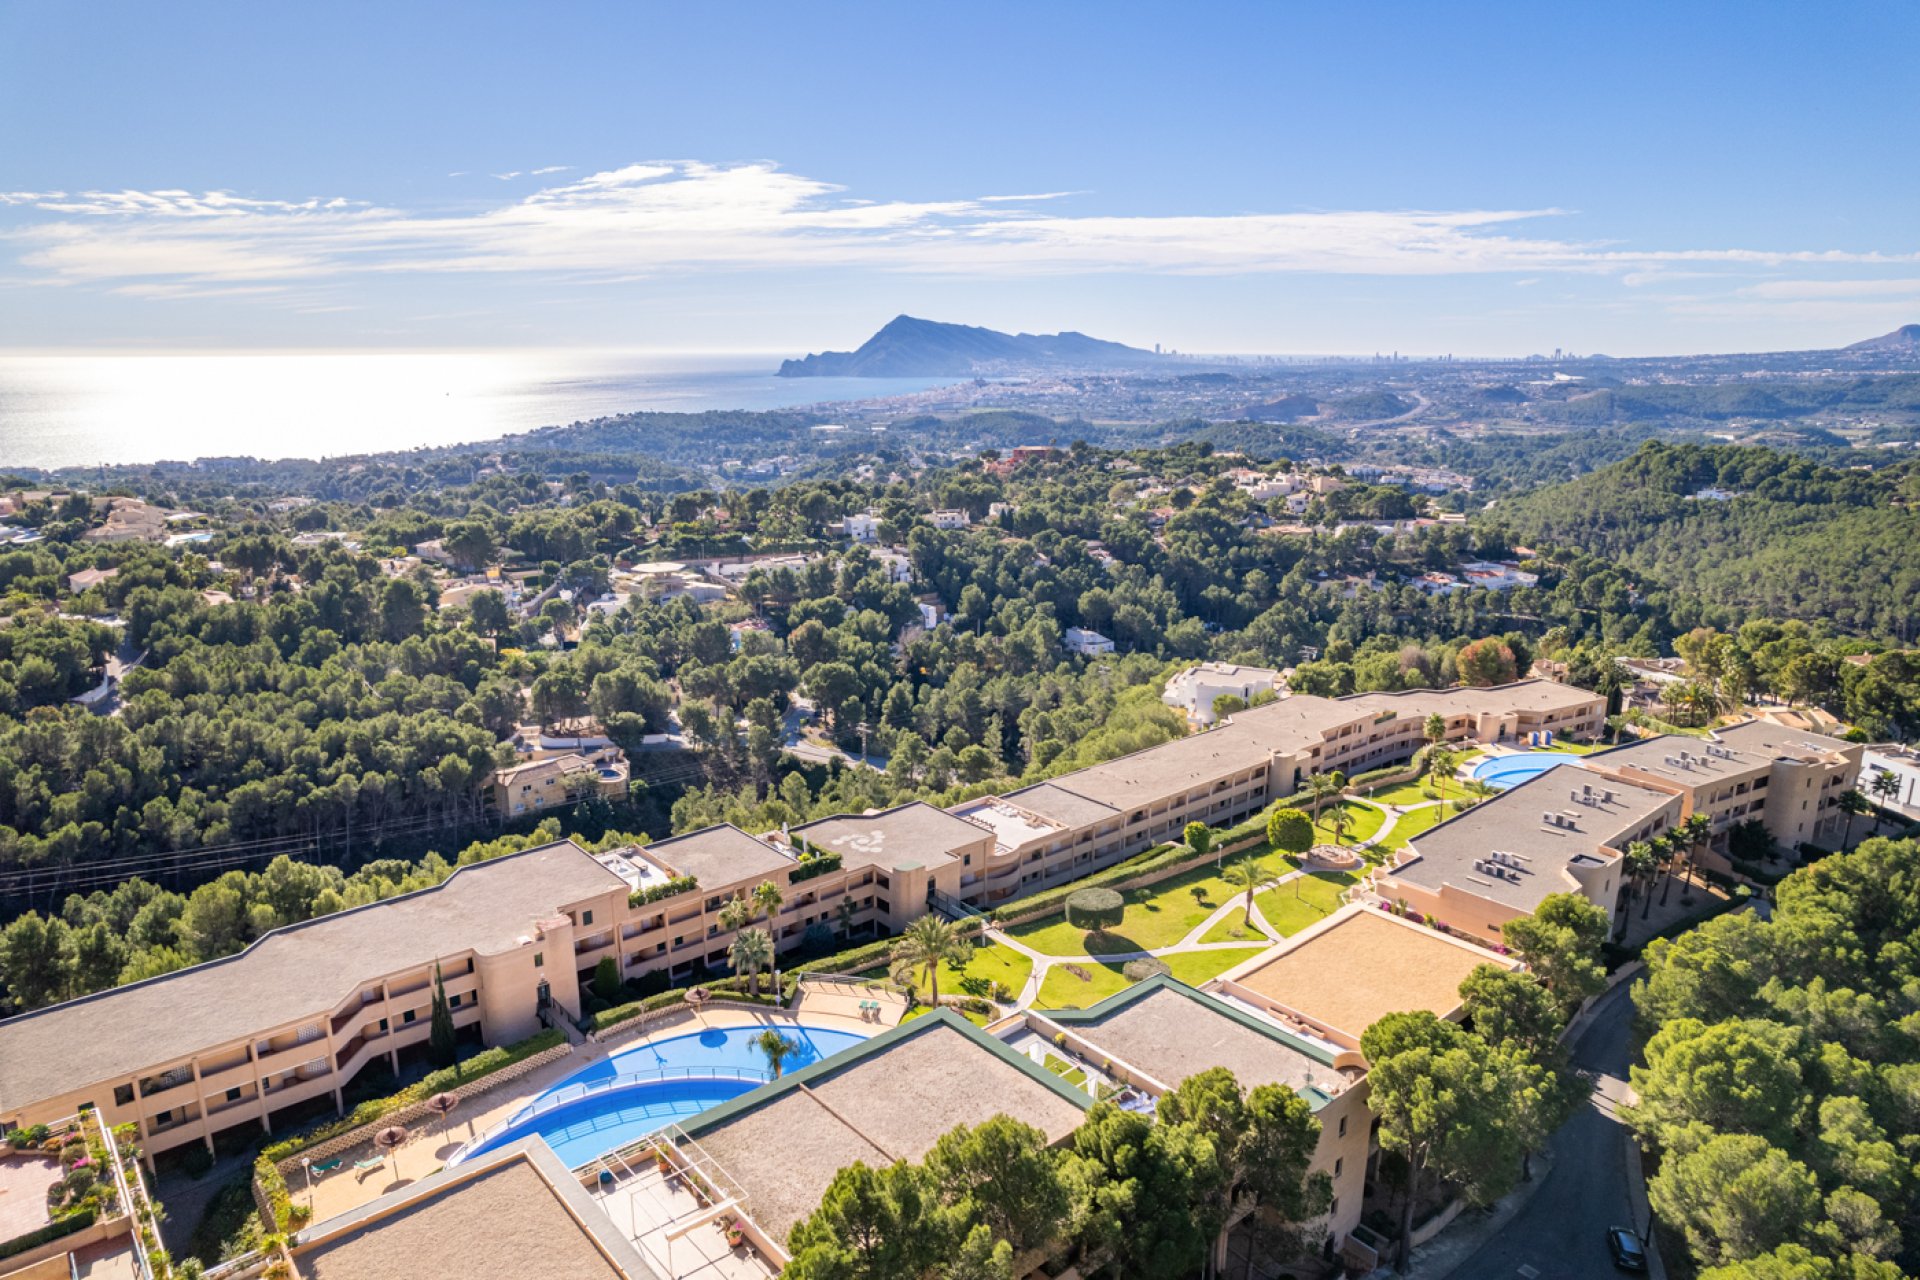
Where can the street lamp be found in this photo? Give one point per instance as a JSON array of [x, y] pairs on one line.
[[306, 1163]]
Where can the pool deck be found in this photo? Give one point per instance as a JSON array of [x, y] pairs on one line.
[[345, 1189]]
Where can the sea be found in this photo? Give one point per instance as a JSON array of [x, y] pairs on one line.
[[85, 410]]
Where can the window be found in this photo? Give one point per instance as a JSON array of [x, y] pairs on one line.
[[1339, 1164], [1343, 1126], [453, 1002], [539, 959], [407, 1017], [383, 1025], [123, 1095], [586, 918], [233, 1094]]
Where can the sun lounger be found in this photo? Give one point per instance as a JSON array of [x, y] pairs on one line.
[[328, 1166]]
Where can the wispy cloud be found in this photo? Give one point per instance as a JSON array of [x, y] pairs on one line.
[[678, 216]]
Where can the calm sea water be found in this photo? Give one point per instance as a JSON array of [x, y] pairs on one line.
[[58, 411]]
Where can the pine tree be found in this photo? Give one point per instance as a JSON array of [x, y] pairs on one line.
[[442, 1047]]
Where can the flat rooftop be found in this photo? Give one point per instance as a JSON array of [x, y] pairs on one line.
[[1361, 964], [915, 834], [1513, 823], [293, 974], [1058, 804], [719, 855], [516, 1213], [1692, 762], [889, 1099], [1012, 825], [1170, 1031], [1781, 743]]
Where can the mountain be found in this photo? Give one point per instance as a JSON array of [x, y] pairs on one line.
[[1906, 338], [913, 348]]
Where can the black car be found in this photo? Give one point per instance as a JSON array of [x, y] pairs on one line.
[[1628, 1253]]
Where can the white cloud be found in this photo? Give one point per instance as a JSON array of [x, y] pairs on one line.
[[681, 216]]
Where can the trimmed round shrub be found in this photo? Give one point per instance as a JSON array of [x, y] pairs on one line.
[[1145, 967], [1095, 909]]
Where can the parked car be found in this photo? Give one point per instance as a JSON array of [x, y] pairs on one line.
[[1628, 1253]]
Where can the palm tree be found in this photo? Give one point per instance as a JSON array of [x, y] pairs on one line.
[[767, 898], [1244, 874], [1853, 804], [750, 952], [1696, 831], [1320, 786], [1667, 847], [777, 1047], [1642, 866], [1440, 765], [736, 914], [1435, 730], [928, 943], [1885, 785], [1340, 817]]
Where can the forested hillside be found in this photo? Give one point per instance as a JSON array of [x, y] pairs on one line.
[[1799, 539]]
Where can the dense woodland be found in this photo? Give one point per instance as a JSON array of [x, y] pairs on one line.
[[1781, 1085]]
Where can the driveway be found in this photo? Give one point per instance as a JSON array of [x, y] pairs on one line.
[[1561, 1232]]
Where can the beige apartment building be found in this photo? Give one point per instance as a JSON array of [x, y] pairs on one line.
[[294, 1017], [1063, 828], [1568, 829]]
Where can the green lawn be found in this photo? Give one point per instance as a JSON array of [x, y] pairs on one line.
[[1412, 823], [1157, 916], [1362, 822], [1296, 904], [1075, 1076], [1234, 928], [990, 964], [1402, 794], [1571, 747], [977, 1019], [1063, 990]]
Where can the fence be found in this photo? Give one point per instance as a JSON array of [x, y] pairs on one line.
[[415, 1110], [627, 1028]]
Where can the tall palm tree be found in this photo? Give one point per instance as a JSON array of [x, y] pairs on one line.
[[1667, 846], [749, 953], [1440, 766], [776, 1047], [767, 899], [1642, 866], [1340, 818], [1696, 831], [928, 943], [1244, 874], [1319, 787], [1853, 804]]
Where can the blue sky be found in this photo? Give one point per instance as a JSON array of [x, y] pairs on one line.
[[1498, 179]]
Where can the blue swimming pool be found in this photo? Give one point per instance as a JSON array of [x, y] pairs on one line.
[[1510, 771], [640, 1090]]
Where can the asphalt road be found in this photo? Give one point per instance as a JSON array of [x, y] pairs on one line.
[[1561, 1233]]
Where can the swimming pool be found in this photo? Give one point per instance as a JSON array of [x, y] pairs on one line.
[[643, 1089], [1510, 771]]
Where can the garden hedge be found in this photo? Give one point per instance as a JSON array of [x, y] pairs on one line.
[[481, 1064], [73, 1222]]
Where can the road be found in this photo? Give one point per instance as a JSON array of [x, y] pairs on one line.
[[800, 748], [1561, 1232]]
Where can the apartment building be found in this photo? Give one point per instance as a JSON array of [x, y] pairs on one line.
[[1065, 827], [1789, 779], [249, 1039], [257, 1038], [1563, 831], [1499, 859]]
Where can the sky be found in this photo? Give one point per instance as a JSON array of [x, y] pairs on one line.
[[1485, 179]]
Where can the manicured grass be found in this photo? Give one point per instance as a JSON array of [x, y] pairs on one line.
[[1157, 916], [1234, 928], [990, 964], [1075, 1076], [1572, 748], [1196, 967], [1296, 904], [1062, 990], [977, 1019], [1402, 794], [1362, 822], [1412, 823]]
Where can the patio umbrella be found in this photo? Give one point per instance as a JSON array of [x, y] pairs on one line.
[[696, 996], [388, 1140], [442, 1105]]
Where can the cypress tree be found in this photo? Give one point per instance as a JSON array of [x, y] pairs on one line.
[[443, 1050]]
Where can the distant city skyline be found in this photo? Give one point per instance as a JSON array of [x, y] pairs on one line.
[[1250, 179]]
